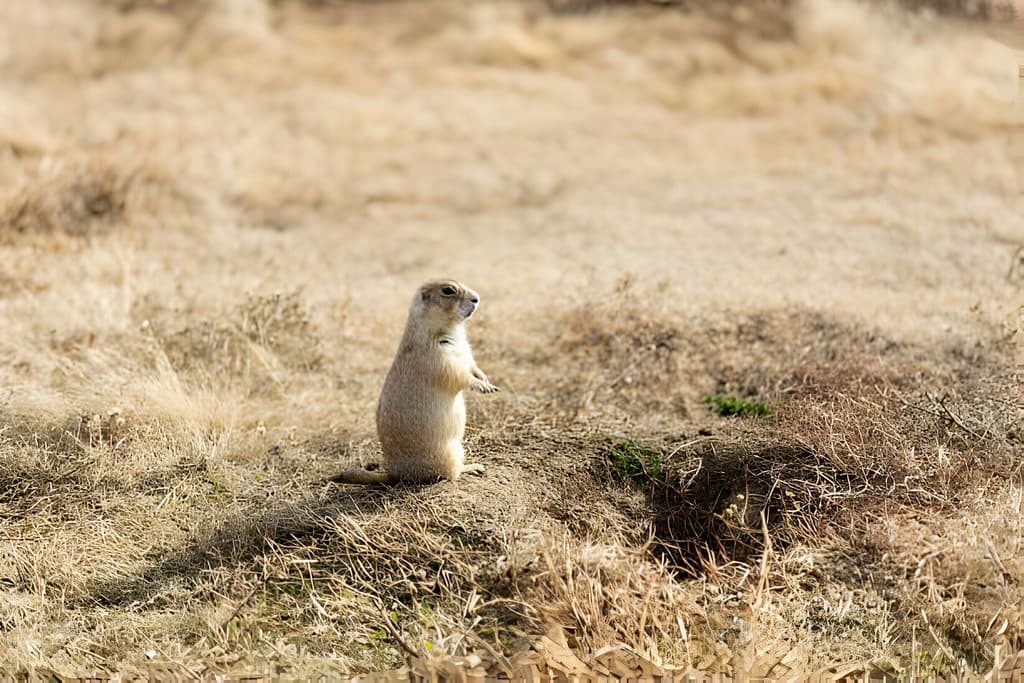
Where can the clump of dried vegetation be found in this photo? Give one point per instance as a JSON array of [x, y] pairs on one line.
[[74, 199], [866, 431], [261, 335]]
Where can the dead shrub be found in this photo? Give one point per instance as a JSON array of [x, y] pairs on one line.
[[258, 336], [77, 200]]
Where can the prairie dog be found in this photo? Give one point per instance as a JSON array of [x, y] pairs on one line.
[[421, 414]]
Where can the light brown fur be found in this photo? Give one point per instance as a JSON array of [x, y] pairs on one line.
[[421, 414]]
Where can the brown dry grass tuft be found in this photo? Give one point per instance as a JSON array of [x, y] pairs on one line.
[[73, 200], [261, 335], [600, 594]]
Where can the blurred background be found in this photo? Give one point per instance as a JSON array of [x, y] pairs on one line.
[[857, 153], [682, 218]]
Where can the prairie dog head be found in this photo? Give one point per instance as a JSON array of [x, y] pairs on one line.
[[444, 302]]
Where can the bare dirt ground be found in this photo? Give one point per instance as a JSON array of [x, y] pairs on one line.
[[212, 219]]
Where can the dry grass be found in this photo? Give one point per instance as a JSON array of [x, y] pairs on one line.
[[74, 201], [264, 334], [204, 278], [866, 434]]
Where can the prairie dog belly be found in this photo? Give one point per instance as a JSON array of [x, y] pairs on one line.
[[421, 431]]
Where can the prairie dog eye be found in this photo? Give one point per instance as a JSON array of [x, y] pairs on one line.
[[448, 291]]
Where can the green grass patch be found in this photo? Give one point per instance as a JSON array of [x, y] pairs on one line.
[[633, 460], [733, 405]]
